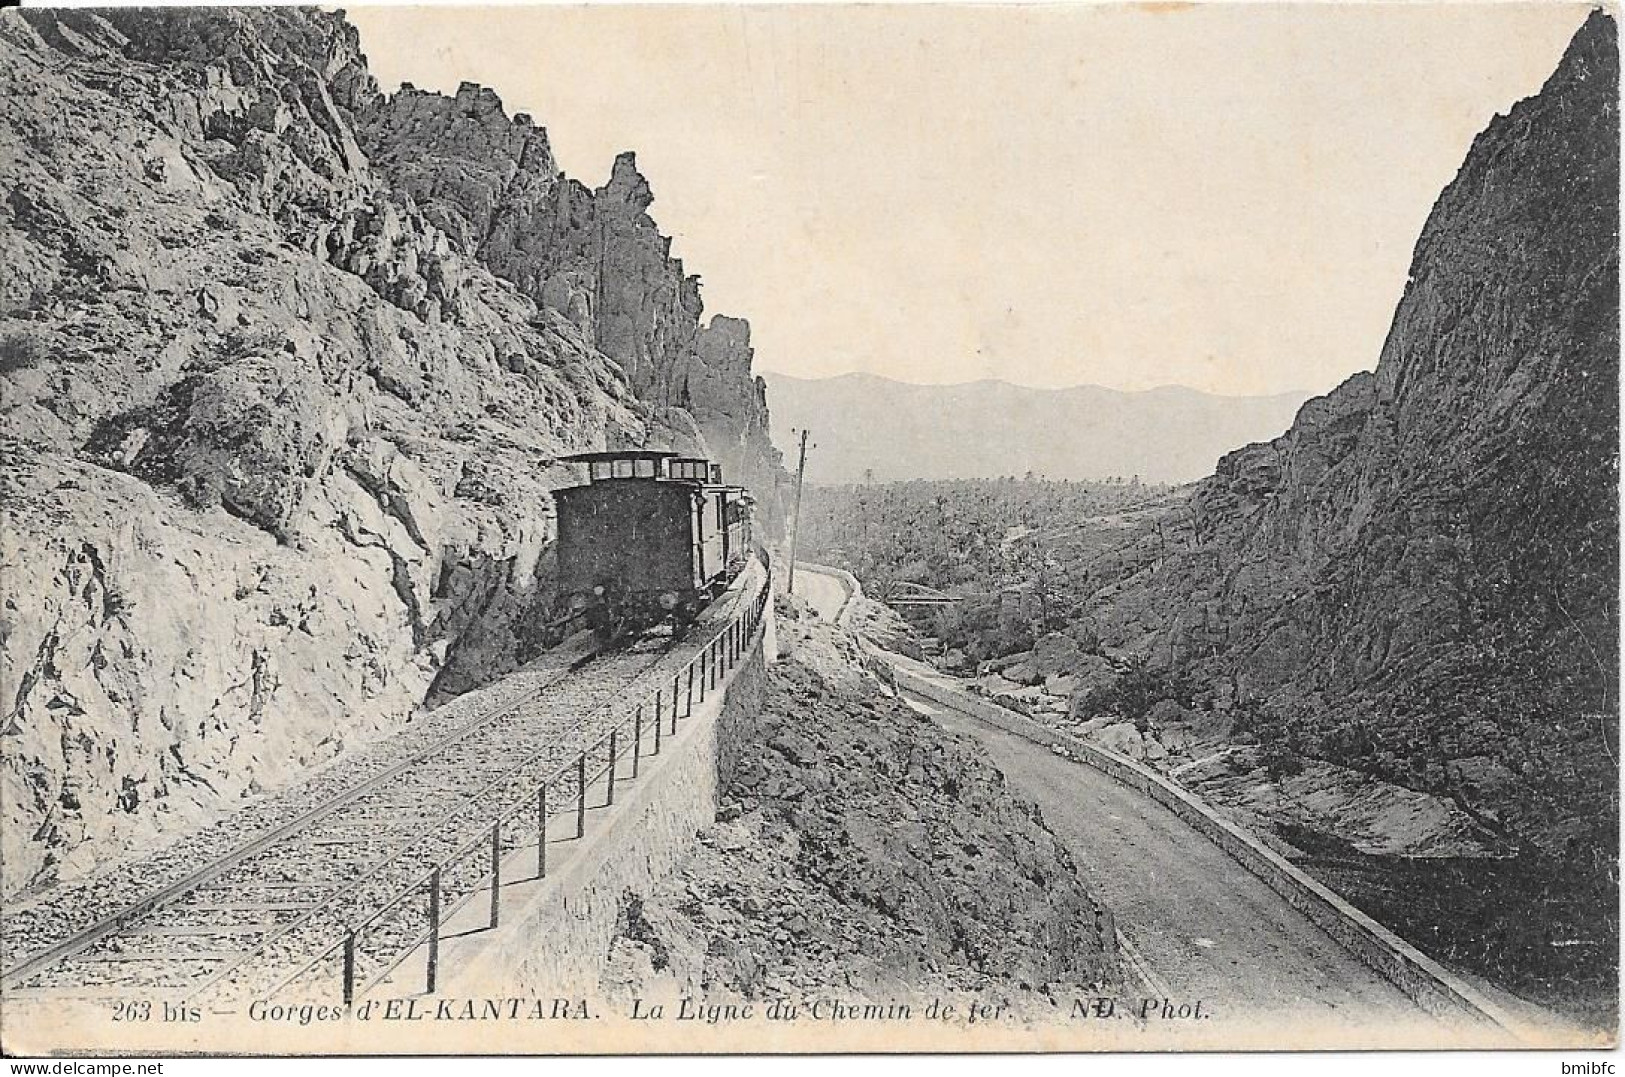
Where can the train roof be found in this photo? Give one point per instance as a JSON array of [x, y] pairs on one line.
[[617, 454], [659, 465]]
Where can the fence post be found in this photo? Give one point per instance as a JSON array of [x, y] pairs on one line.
[[659, 717], [676, 683], [496, 869], [434, 930], [581, 795], [688, 707], [541, 831], [349, 969], [637, 734], [609, 793]]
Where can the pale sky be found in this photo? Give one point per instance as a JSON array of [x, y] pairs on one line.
[[1219, 196]]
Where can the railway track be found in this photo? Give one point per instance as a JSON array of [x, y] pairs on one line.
[[221, 919], [30, 926]]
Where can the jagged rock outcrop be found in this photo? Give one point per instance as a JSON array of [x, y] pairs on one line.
[[594, 256], [276, 446], [1420, 577]]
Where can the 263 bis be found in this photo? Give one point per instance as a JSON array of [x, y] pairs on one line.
[[139, 1010]]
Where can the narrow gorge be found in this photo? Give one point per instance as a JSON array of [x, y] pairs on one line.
[[1388, 638]]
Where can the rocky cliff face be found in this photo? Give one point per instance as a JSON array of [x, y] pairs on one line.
[[593, 256], [1420, 577], [276, 445]]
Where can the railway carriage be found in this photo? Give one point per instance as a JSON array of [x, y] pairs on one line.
[[651, 535]]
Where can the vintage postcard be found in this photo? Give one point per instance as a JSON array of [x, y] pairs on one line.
[[837, 528]]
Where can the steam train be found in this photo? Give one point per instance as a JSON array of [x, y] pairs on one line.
[[651, 535]]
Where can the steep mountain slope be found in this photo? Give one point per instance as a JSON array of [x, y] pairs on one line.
[[1420, 577], [986, 429], [275, 447]]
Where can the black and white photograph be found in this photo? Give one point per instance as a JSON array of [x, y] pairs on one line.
[[834, 528]]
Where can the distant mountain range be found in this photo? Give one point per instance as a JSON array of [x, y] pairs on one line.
[[982, 429]]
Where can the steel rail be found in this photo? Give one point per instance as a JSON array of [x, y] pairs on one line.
[[746, 623], [464, 803], [328, 895], [109, 925], [460, 853]]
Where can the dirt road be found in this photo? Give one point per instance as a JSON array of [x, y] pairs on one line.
[[824, 592], [1201, 923]]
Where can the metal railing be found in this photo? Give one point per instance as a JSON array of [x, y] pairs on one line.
[[434, 897]]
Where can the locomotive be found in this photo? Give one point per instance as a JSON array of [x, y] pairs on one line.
[[651, 535]]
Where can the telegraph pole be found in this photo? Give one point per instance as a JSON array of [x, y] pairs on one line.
[[795, 526]]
